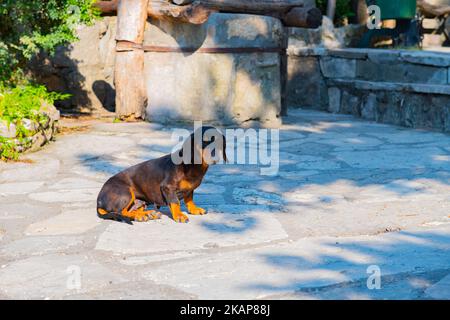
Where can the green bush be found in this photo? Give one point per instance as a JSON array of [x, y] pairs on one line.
[[29, 26], [25, 101], [26, 27], [22, 102]]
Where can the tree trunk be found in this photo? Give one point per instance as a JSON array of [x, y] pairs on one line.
[[131, 95], [129, 78], [131, 17]]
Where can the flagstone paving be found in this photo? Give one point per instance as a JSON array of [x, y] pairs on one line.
[[349, 196]]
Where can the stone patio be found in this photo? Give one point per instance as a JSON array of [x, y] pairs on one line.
[[349, 194]]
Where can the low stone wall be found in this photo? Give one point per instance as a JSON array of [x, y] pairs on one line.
[[40, 133], [407, 88]]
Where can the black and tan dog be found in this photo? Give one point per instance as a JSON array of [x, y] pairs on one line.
[[162, 181]]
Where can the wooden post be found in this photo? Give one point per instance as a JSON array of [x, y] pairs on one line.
[[129, 77]]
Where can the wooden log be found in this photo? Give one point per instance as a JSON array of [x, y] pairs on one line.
[[131, 95], [238, 6], [129, 77], [131, 17], [107, 6], [194, 13], [198, 12], [303, 18]]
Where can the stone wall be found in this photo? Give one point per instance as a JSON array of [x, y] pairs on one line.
[[40, 133], [407, 88], [229, 87], [220, 87], [84, 69]]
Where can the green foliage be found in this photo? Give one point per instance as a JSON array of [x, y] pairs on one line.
[[18, 103], [343, 9], [29, 26], [8, 150], [26, 27]]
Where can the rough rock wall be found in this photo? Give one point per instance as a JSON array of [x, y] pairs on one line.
[[407, 88], [85, 69]]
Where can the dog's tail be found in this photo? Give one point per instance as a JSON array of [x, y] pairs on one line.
[[113, 216]]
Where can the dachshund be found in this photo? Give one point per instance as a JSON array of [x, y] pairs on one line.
[[163, 181]]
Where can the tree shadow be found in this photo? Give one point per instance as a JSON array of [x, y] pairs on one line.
[[409, 262]]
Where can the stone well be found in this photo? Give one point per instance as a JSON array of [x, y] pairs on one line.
[[228, 70]]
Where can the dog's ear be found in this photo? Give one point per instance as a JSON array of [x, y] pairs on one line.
[[191, 151], [215, 145]]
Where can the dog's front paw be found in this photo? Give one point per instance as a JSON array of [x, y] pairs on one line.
[[196, 210], [181, 218]]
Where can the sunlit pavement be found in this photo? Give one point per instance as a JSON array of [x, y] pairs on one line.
[[352, 200]]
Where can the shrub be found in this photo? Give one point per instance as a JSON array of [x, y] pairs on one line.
[[18, 103], [29, 26]]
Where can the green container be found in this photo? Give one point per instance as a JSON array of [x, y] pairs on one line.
[[395, 9]]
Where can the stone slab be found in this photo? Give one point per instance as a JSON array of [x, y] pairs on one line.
[[66, 195], [66, 223], [49, 277], [38, 246], [307, 263], [214, 230], [338, 68], [426, 58], [19, 187], [38, 171]]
